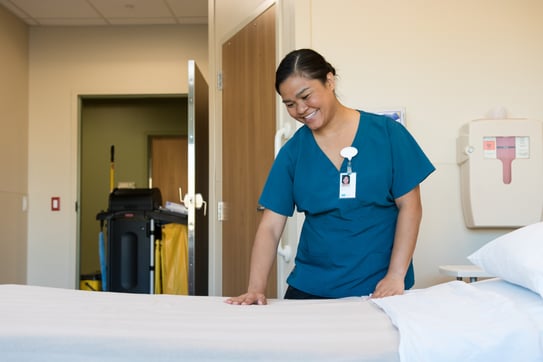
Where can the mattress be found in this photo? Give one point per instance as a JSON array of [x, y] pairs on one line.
[[41, 323]]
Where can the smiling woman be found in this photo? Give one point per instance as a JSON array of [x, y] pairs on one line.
[[376, 217]]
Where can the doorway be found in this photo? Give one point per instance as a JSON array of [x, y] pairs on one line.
[[127, 123]]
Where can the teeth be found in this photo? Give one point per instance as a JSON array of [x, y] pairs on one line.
[[310, 115]]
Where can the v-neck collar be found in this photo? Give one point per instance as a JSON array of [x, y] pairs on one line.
[[323, 154]]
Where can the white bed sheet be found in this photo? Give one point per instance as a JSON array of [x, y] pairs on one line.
[[455, 321], [525, 299], [48, 324]]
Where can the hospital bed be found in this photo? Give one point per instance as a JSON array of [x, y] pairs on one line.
[[489, 320], [48, 324]]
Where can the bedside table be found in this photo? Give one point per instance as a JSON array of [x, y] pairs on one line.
[[464, 271]]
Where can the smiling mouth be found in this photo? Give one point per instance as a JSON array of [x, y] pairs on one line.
[[310, 116]]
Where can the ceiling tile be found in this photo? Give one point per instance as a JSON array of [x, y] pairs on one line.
[[104, 12], [56, 8], [188, 8], [132, 8]]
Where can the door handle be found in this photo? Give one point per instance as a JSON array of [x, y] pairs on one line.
[[260, 208], [197, 203]]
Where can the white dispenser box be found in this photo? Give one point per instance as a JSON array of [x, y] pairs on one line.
[[501, 172]]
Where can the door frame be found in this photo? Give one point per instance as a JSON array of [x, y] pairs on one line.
[[77, 106]]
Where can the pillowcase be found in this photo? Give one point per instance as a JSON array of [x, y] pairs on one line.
[[516, 257]]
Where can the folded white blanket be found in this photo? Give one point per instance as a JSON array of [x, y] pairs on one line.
[[459, 322]]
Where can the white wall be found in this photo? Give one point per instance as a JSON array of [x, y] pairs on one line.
[[447, 63], [66, 62]]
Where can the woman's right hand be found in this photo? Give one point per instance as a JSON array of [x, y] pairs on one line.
[[248, 299], [265, 245]]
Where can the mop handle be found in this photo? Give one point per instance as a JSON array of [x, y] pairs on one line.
[[102, 256], [112, 169]]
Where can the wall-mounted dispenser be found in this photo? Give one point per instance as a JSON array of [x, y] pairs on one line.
[[501, 171]]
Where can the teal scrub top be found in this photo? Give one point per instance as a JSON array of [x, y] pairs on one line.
[[346, 243]]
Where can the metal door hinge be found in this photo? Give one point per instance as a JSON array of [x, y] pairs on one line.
[[222, 211], [219, 81]]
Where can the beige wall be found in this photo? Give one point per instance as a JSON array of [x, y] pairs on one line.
[[13, 147], [66, 62]]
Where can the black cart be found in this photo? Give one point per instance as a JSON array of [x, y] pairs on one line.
[[134, 219]]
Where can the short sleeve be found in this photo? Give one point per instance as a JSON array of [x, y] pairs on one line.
[[277, 194], [410, 165]]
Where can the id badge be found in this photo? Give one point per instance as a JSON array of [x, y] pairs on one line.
[[347, 185]]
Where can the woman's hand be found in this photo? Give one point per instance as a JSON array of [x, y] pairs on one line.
[[389, 286], [264, 250], [248, 299], [405, 239]]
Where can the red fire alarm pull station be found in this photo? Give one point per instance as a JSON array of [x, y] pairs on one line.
[[55, 203]]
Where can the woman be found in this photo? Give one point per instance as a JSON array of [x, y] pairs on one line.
[[356, 240]]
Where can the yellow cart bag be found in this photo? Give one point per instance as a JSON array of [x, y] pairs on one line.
[[171, 263]]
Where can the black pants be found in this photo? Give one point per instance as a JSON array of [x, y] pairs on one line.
[[293, 293]]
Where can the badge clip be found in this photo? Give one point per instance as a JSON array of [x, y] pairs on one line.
[[349, 153]]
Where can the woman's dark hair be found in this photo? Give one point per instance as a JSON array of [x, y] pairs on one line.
[[303, 62]]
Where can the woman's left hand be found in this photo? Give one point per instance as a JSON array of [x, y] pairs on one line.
[[389, 286]]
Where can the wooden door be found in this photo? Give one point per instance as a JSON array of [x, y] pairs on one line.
[[248, 105], [169, 166]]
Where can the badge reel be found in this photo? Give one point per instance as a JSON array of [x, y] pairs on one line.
[[347, 180]]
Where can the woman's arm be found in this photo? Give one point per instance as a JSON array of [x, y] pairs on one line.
[[263, 255], [405, 239]]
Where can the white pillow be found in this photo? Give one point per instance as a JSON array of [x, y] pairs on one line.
[[516, 257]]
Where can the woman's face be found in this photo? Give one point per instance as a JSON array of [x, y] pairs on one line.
[[309, 101]]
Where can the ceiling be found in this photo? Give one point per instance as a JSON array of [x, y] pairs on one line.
[[108, 12]]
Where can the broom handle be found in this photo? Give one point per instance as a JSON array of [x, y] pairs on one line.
[[112, 169]]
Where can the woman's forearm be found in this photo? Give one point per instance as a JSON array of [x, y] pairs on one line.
[[407, 229]]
